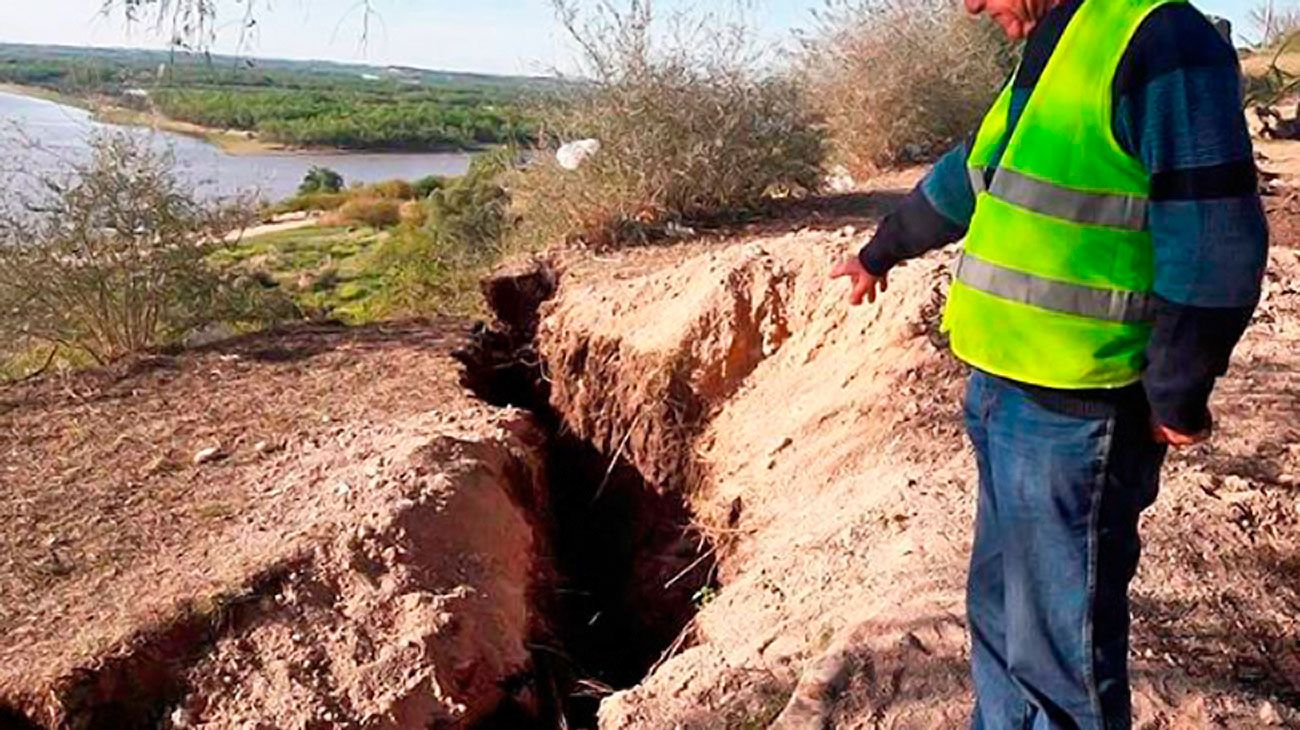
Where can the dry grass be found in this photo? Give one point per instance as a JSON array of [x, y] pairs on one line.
[[899, 81], [689, 127], [371, 211]]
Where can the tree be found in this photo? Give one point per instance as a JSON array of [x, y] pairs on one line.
[[320, 180]]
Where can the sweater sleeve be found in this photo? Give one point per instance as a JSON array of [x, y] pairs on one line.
[[934, 214], [1178, 109]]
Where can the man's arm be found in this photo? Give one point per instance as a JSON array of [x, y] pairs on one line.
[[1178, 110], [935, 214]]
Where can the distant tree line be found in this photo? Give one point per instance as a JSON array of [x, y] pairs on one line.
[[301, 108], [347, 119]]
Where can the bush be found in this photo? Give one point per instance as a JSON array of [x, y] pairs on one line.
[[425, 186], [312, 201], [392, 190], [900, 81], [373, 212], [689, 128], [413, 213], [471, 211], [112, 259], [436, 268], [320, 180]]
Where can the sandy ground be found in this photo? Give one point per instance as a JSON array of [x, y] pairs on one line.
[[287, 222], [821, 449], [316, 527], [321, 528]]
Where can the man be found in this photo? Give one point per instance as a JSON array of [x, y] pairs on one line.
[[1114, 249]]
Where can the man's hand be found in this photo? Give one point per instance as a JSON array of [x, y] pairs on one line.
[[1177, 439], [865, 284]]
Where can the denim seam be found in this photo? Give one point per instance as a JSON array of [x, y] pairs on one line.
[[1094, 517]]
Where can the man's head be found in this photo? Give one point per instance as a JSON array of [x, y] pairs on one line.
[[1017, 17]]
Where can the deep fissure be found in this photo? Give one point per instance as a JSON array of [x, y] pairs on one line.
[[631, 569]]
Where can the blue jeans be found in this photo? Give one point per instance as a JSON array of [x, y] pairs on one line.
[[1056, 545]]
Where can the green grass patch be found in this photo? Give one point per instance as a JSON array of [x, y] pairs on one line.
[[329, 271]]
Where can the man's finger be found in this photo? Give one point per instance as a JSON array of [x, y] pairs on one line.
[[839, 270], [884, 283], [860, 288]]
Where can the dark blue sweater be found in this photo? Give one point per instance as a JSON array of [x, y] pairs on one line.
[[1177, 109]]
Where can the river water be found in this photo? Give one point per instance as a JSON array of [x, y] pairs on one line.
[[39, 137]]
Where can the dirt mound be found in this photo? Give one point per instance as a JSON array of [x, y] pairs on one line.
[[820, 448], [357, 546]]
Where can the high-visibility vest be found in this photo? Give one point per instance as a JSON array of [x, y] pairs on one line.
[[1054, 283]]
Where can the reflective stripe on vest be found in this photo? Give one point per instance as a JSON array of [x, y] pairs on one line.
[[1058, 296], [1095, 209]]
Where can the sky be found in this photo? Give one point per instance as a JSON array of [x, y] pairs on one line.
[[494, 36]]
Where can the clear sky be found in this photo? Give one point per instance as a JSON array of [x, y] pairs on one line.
[[500, 36]]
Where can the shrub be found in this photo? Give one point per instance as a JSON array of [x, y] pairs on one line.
[[436, 268], [370, 211], [392, 190], [320, 180], [413, 213], [899, 81], [471, 211], [425, 186], [112, 258], [312, 201], [690, 126]]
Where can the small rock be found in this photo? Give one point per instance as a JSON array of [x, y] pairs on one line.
[[208, 455], [1268, 714], [343, 489], [1236, 483], [267, 447]]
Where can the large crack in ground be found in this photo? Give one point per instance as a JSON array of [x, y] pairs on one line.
[[632, 569], [619, 573]]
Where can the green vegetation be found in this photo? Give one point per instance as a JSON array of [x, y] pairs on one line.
[[291, 103], [320, 180], [114, 261], [329, 272], [436, 266]]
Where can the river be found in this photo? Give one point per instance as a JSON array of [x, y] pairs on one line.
[[39, 136]]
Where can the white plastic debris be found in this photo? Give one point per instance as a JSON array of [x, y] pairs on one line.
[[572, 155], [208, 455]]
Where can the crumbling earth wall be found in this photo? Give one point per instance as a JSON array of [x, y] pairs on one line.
[[820, 448]]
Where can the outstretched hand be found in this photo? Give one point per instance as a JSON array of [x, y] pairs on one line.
[[865, 285]]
